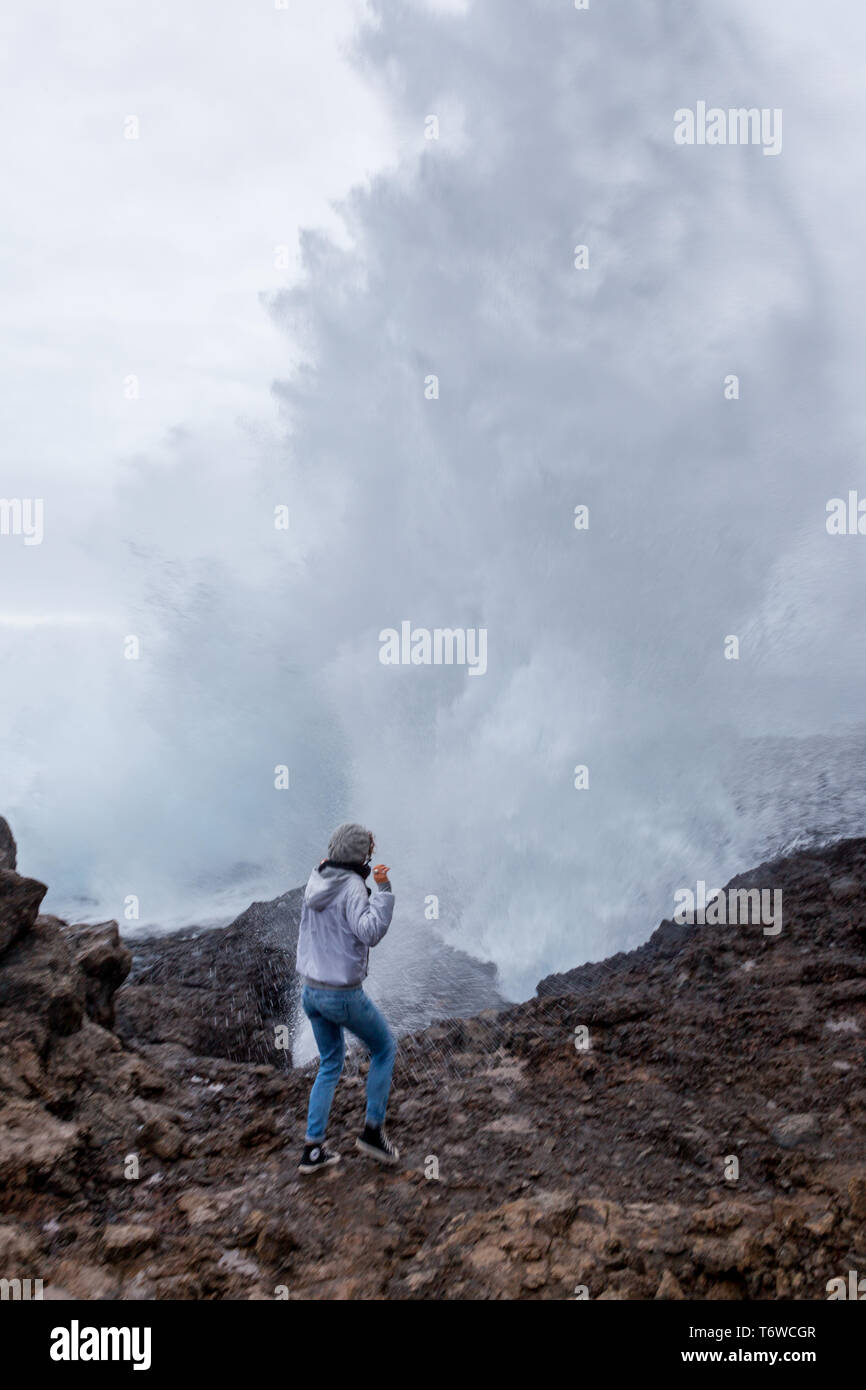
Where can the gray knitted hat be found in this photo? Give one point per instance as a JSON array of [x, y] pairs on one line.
[[350, 843]]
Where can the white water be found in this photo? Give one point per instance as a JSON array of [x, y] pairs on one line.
[[558, 387]]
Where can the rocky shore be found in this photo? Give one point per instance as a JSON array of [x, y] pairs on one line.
[[708, 1141]]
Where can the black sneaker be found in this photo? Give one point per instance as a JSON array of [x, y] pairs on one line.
[[375, 1143], [316, 1157]]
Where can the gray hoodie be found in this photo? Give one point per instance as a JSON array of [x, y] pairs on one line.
[[339, 924]]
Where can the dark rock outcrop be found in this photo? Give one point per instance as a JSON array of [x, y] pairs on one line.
[[226, 991], [19, 904], [8, 849], [219, 992], [105, 963]]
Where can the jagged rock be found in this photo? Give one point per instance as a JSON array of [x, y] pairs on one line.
[[105, 961], [19, 905], [42, 990], [8, 848]]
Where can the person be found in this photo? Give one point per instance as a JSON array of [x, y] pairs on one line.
[[340, 922]]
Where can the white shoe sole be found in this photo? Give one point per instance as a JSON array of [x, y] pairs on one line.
[[372, 1152], [308, 1168]]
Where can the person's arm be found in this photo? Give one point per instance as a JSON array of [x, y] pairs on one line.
[[370, 918], [380, 874]]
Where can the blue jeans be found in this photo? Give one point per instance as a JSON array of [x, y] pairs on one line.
[[330, 1011]]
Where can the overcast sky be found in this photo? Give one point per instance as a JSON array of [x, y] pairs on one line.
[[148, 256]]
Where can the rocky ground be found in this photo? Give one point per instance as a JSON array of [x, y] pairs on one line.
[[140, 1158]]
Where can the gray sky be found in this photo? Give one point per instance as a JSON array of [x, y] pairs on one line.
[[148, 256]]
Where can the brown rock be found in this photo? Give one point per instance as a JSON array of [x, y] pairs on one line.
[[125, 1241], [19, 905], [276, 1242], [18, 1248], [198, 1207], [83, 1280], [738, 1252], [34, 1146], [534, 1275], [558, 1207], [857, 1196], [105, 961], [41, 989], [162, 1138], [487, 1257], [669, 1287]]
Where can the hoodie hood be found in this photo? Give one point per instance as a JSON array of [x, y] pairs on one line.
[[323, 886], [350, 842]]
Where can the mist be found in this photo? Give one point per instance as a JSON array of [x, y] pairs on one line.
[[452, 505]]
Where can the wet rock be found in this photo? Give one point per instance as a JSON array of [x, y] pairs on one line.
[[220, 992], [226, 991], [795, 1131]]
